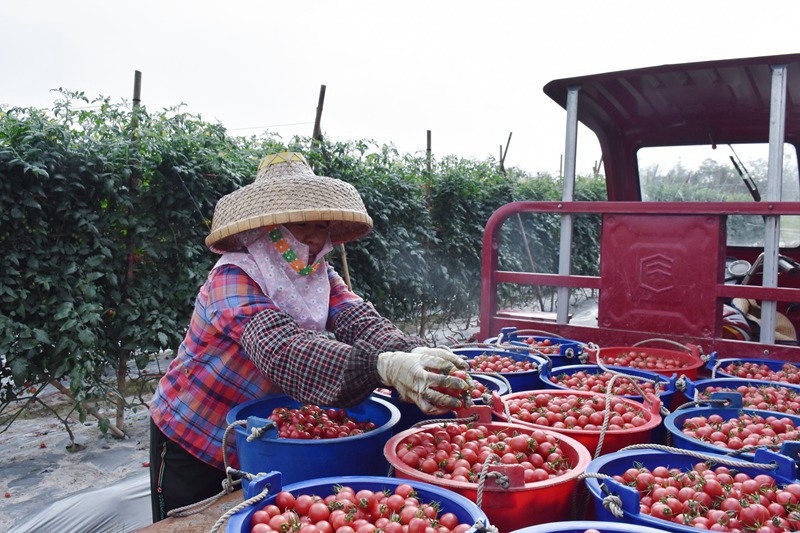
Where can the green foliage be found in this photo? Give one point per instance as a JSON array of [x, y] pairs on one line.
[[103, 214], [104, 209]]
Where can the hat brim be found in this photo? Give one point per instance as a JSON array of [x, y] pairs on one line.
[[345, 226]]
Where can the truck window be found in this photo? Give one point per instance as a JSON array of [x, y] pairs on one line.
[[726, 173]]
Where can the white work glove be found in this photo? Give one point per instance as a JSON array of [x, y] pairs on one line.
[[410, 375]]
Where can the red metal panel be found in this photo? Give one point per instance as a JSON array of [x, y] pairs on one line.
[[660, 273]]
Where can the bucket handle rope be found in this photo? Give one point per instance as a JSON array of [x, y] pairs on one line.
[[228, 484]]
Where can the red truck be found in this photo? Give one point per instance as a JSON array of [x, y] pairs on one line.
[[678, 249]]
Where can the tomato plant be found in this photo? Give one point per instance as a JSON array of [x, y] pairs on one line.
[[347, 510]]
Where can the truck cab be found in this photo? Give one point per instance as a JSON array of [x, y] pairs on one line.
[[701, 227]]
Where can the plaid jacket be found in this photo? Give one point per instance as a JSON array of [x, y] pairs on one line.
[[240, 346]]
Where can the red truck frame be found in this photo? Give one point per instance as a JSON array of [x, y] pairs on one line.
[[662, 264]]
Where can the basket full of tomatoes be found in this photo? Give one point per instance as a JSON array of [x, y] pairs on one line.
[[627, 382], [524, 475], [672, 491], [686, 361], [561, 351], [584, 416], [354, 503], [772, 396], [729, 429], [754, 368], [517, 365], [307, 441]]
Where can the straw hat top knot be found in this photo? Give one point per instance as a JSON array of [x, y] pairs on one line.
[[286, 190]]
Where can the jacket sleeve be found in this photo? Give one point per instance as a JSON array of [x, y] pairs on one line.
[[309, 367], [361, 322]]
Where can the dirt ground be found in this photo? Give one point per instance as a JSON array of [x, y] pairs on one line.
[[37, 470], [103, 486]]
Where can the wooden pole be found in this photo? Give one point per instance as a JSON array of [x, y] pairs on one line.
[[133, 183], [317, 135], [504, 154], [423, 313]]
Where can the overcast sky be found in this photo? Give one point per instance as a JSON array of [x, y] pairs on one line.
[[470, 71]]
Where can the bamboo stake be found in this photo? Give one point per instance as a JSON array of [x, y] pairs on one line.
[[317, 137]]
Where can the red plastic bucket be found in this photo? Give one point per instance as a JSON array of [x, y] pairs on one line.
[[658, 360], [517, 504], [613, 439]]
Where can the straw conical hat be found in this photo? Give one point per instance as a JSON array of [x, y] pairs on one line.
[[287, 190], [784, 329]]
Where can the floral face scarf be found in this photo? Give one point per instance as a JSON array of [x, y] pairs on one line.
[[274, 260]]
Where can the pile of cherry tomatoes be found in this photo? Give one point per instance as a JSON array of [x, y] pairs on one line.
[[644, 360], [744, 430], [570, 411], [598, 382], [545, 346], [494, 362], [716, 499], [347, 510], [313, 422], [761, 397], [788, 373], [459, 451]]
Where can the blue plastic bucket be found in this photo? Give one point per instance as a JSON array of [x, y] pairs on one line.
[[519, 381], [674, 422], [299, 459], [579, 526], [717, 367], [667, 383], [693, 388], [617, 463], [569, 352], [465, 510], [410, 414]]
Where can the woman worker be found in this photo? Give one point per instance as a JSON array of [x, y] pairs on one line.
[[274, 317]]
